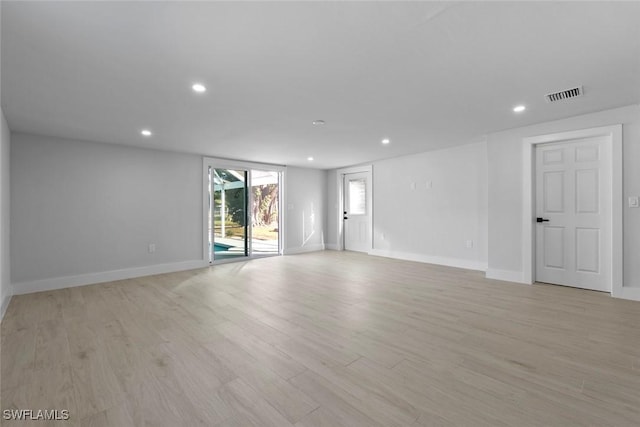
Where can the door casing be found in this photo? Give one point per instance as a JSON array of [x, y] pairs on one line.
[[558, 164], [233, 164], [356, 223], [614, 133], [340, 192]]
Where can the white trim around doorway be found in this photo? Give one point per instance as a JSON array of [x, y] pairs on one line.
[[340, 173], [237, 164], [614, 133]]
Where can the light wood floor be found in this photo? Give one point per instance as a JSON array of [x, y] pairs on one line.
[[324, 339]]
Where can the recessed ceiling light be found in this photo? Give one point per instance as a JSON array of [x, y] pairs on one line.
[[198, 87], [310, 159], [145, 132], [318, 122], [386, 141], [519, 108]]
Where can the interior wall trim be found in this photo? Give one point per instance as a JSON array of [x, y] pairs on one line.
[[21, 288], [304, 249], [506, 275], [467, 264]]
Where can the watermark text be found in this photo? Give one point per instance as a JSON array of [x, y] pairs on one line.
[[36, 414]]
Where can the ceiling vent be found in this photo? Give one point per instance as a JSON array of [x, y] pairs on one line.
[[564, 94]]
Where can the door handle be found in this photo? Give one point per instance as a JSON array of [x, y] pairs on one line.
[[344, 217], [542, 219]]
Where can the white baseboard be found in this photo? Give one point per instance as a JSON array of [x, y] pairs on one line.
[[105, 276], [3, 307], [627, 292], [506, 275], [303, 249], [332, 247], [450, 262]]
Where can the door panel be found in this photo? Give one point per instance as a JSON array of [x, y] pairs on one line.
[[265, 212], [357, 236], [230, 213], [554, 192], [587, 194], [587, 154], [554, 247], [573, 194], [553, 156], [588, 250]]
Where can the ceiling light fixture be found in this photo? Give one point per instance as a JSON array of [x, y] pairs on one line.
[[198, 87], [310, 159], [318, 122], [519, 109], [145, 132], [386, 141]]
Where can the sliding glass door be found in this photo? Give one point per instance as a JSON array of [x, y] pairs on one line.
[[230, 222], [265, 212], [244, 212]]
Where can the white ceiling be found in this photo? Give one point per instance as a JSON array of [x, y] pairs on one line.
[[425, 74]]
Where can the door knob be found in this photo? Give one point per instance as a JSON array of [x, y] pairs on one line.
[[542, 219], [344, 217]]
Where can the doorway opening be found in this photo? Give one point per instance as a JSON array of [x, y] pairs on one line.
[[573, 213], [574, 160], [243, 211], [229, 226], [265, 212], [355, 210]]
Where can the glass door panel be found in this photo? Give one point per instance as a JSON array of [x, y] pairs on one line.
[[229, 237], [265, 215], [244, 212]]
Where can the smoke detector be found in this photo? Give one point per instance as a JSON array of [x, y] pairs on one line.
[[564, 94]]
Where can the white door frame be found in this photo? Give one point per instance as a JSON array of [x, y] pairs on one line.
[[242, 165], [614, 133], [340, 173]]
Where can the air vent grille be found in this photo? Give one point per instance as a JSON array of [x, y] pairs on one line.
[[564, 94]]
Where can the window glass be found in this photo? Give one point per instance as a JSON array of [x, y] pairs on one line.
[[358, 197]]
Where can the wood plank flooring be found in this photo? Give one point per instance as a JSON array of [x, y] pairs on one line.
[[326, 339]]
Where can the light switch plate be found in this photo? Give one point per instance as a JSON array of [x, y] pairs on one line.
[[634, 202]]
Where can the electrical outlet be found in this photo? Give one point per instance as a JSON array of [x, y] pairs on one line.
[[152, 248]]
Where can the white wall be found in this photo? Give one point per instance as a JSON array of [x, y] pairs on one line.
[[80, 208], [305, 205], [432, 224], [505, 188], [86, 212], [5, 270], [427, 224]]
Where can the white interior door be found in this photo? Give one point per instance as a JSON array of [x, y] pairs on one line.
[[356, 218], [573, 205]]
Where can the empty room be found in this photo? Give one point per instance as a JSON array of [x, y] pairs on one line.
[[320, 213]]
